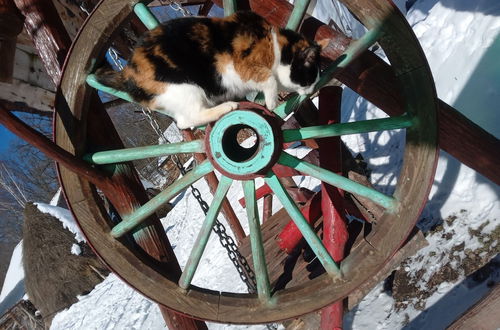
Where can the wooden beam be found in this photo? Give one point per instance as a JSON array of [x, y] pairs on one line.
[[483, 315], [26, 95], [48, 33], [71, 15]]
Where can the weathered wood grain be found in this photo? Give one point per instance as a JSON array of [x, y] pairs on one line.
[[483, 315], [47, 32], [27, 95]]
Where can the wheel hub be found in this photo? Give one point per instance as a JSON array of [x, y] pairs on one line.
[[236, 157]]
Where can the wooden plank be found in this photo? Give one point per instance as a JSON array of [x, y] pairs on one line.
[[47, 32], [71, 15], [27, 95], [483, 315], [29, 68]]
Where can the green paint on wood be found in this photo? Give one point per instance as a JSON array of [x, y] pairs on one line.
[[364, 126], [299, 10], [234, 158], [310, 236], [204, 234], [92, 81], [142, 213], [146, 16], [229, 7], [125, 155], [285, 108], [258, 254], [337, 180]]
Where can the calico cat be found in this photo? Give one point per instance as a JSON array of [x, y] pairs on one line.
[[192, 69]]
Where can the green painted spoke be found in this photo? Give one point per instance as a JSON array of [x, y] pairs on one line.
[[310, 236], [337, 180], [299, 10], [259, 258], [353, 51], [206, 229], [290, 105], [364, 126], [229, 7], [146, 16], [92, 81], [125, 155], [132, 220]]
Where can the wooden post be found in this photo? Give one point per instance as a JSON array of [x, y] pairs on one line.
[[332, 205], [11, 24]]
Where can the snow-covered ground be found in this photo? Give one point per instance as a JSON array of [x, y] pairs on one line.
[[458, 38]]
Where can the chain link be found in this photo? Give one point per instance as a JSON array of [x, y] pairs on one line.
[[175, 5]]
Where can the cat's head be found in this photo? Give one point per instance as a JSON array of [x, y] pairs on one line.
[[298, 70]]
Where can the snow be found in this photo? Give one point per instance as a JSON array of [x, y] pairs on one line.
[[56, 197], [457, 37], [76, 249], [111, 305], [13, 285], [65, 217]]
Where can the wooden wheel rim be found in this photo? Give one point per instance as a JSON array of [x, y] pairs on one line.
[[420, 158]]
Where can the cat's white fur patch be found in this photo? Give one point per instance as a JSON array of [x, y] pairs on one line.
[[189, 106], [282, 72]]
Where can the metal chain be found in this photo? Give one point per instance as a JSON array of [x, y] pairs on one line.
[[175, 5], [240, 263]]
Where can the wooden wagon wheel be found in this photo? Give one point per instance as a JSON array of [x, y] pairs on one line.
[[389, 28]]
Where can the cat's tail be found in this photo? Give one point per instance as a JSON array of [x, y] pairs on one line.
[[111, 78]]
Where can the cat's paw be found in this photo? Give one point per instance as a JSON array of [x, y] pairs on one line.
[[271, 104], [230, 106]]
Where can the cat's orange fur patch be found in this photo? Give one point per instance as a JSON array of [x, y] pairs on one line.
[[144, 79], [252, 58], [221, 61], [201, 34], [282, 40]]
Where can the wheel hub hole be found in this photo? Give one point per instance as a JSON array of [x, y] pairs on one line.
[[240, 143]]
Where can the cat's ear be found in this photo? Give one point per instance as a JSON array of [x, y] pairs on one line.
[[310, 55], [323, 43]]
